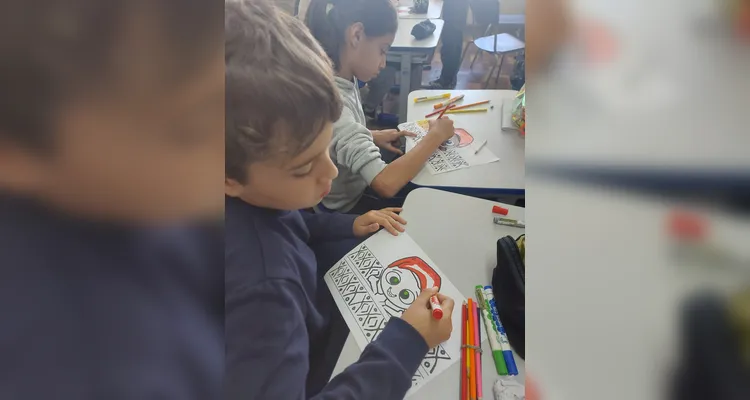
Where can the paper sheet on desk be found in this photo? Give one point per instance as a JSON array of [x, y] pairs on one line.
[[378, 280], [456, 153]]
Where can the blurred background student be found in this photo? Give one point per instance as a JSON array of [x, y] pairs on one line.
[[111, 163]]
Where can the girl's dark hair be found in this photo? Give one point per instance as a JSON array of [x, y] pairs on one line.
[[328, 21]]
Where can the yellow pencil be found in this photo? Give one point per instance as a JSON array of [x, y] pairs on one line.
[[466, 111], [428, 98]]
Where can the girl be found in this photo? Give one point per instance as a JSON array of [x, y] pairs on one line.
[[356, 35]]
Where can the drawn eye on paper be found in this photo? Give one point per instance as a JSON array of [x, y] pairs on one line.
[[403, 280], [461, 138]]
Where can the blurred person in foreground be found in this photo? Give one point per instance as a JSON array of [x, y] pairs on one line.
[[548, 28], [111, 150]]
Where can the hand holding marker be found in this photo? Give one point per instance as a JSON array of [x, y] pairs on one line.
[[437, 310]]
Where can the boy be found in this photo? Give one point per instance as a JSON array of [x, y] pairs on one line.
[[110, 141], [280, 104]]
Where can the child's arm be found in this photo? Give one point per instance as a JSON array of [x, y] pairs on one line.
[[268, 350], [402, 170], [354, 148]]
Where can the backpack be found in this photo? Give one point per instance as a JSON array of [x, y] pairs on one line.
[[508, 287]]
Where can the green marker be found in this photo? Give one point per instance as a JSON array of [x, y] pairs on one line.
[[492, 334]]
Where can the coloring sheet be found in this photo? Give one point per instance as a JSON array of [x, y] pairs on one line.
[[456, 153], [378, 280]]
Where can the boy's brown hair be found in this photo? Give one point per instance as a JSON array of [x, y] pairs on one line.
[[279, 86], [53, 50]]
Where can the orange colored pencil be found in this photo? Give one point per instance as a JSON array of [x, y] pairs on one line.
[[472, 362], [467, 379], [469, 105]]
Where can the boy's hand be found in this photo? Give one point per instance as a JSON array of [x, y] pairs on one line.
[[372, 221], [419, 316], [389, 139], [442, 128]]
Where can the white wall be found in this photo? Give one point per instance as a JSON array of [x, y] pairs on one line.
[[513, 6]]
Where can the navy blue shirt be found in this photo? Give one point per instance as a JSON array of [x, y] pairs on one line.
[[93, 311], [271, 312]]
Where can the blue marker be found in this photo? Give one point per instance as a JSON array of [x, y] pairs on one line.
[[510, 362]]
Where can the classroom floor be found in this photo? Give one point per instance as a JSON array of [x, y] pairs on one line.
[[472, 78]]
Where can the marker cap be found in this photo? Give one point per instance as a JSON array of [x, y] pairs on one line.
[[437, 313], [499, 210]]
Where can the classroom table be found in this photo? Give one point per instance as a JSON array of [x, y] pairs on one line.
[[504, 177], [434, 10], [458, 234], [410, 53]]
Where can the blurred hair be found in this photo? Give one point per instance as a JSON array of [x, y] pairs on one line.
[[329, 24], [279, 86], [54, 50]]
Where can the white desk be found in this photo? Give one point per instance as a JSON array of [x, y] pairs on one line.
[[408, 51], [434, 10], [506, 176], [462, 241]]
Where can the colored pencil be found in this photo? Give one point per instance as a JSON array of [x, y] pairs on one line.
[[472, 104], [480, 147], [444, 110], [461, 369], [428, 98], [440, 111], [468, 366], [436, 112], [472, 360], [447, 103], [478, 337], [476, 110]]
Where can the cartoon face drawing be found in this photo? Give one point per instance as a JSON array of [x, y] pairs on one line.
[[460, 138], [404, 279]]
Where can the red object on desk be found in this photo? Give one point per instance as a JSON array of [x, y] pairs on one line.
[[499, 210]]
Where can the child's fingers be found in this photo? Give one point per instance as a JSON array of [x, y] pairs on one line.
[[391, 133], [393, 149], [393, 209], [394, 223], [407, 133], [396, 217], [388, 227], [388, 224], [447, 305]]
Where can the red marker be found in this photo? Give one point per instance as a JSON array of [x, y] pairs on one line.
[[499, 210], [437, 311]]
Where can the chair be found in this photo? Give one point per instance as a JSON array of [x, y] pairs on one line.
[[498, 45], [515, 23], [487, 13]]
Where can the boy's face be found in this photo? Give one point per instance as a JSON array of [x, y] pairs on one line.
[[289, 183], [138, 151]]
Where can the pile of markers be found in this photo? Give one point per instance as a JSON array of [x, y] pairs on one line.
[[483, 309], [450, 106]]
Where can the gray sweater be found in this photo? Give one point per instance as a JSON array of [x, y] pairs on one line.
[[353, 151]]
